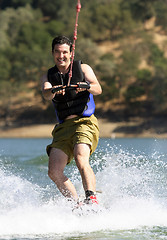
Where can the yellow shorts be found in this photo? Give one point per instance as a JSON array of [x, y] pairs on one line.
[[74, 131]]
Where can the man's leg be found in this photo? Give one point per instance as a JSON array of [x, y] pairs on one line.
[[81, 155], [57, 162]]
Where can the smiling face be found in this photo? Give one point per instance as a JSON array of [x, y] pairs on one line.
[[61, 55]]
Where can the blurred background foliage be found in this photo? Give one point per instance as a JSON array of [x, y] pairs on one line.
[[113, 37]]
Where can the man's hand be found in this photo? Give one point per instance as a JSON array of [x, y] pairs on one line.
[[81, 89], [58, 90]]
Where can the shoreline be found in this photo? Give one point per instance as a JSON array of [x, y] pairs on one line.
[[107, 130]]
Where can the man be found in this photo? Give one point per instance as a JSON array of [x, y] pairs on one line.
[[77, 133]]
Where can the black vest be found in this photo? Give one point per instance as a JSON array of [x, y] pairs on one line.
[[71, 103]]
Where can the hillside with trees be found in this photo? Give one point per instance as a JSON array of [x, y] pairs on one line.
[[125, 42]]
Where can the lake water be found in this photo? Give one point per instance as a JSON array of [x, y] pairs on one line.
[[131, 175]]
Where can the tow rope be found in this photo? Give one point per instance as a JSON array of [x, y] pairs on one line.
[[78, 8], [80, 85]]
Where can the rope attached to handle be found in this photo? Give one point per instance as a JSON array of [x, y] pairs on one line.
[[78, 8]]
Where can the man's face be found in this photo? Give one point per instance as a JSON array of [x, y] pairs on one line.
[[61, 55]]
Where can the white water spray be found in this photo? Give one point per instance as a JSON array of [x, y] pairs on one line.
[[133, 195]]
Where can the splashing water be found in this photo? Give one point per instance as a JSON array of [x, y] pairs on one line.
[[133, 198]]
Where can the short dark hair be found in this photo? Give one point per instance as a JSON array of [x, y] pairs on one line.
[[61, 40]]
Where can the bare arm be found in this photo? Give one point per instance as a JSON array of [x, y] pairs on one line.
[[90, 77], [47, 89]]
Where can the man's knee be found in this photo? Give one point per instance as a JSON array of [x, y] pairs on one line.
[[55, 173], [57, 163], [51, 174]]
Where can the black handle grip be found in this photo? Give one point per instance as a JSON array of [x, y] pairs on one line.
[[56, 89], [82, 85], [71, 87]]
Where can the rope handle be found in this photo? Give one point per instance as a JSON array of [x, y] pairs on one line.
[[71, 87]]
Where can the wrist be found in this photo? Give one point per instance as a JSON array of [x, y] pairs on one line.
[[88, 83]]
